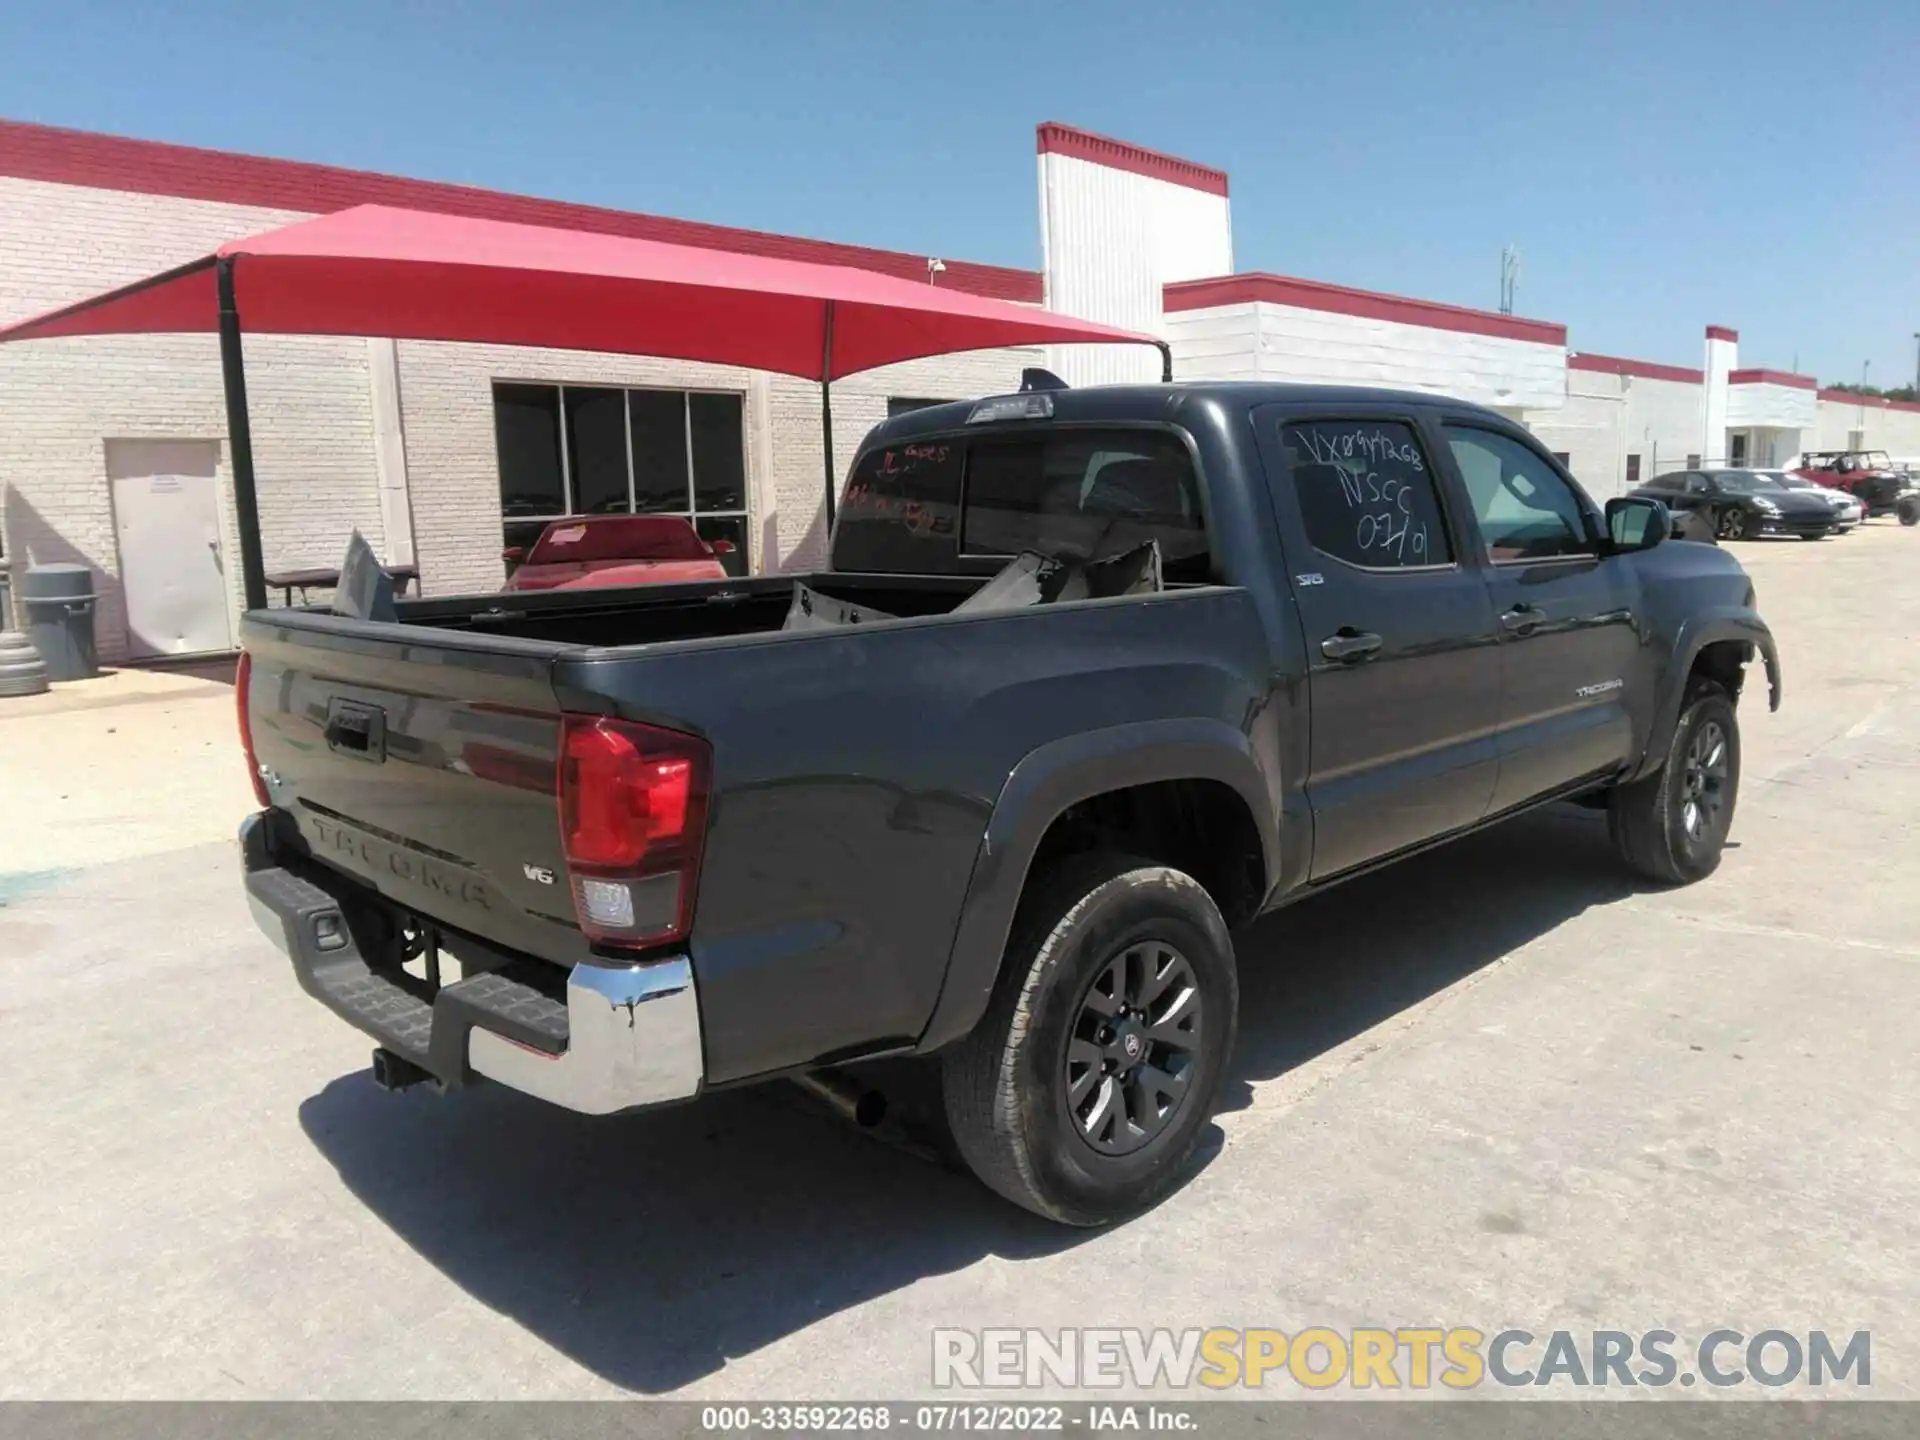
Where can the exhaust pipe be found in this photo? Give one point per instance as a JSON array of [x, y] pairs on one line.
[[396, 1072], [849, 1097]]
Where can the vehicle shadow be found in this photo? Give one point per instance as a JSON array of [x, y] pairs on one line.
[[652, 1248], [1334, 965]]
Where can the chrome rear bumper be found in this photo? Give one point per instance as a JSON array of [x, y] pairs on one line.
[[633, 1038], [626, 1036]]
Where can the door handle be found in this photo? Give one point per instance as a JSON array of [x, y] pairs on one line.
[[356, 731], [1522, 618], [1349, 645]]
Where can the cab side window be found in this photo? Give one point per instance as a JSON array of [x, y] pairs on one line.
[[1525, 510], [1366, 493]]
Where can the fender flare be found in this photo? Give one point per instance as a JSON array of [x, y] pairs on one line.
[[1709, 627], [1043, 785]]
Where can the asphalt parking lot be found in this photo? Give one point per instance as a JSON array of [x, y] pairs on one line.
[[1498, 1085]]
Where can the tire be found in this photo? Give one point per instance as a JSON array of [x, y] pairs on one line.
[[22, 671], [1910, 512], [1649, 819], [1019, 1088]]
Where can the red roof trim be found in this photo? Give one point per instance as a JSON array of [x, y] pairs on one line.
[[1773, 377], [1878, 402], [1057, 139], [1641, 369], [1721, 332], [1367, 304], [149, 167]]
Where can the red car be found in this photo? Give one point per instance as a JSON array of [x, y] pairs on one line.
[[1868, 475], [604, 551]]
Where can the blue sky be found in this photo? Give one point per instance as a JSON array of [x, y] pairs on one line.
[[1661, 167]]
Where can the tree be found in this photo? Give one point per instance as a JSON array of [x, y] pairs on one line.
[[1898, 392]]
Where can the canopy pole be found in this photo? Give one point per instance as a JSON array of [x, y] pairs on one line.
[[1166, 361], [826, 417], [246, 503]]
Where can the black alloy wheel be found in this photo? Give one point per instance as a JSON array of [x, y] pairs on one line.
[[1704, 790], [1131, 1053]]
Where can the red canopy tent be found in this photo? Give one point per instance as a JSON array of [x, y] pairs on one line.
[[412, 275]]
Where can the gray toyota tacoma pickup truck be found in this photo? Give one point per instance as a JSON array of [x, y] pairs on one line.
[[702, 835]]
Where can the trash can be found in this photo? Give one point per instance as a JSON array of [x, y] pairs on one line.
[[56, 604]]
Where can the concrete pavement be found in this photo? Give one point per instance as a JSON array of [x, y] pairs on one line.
[[1497, 1085], [136, 762]]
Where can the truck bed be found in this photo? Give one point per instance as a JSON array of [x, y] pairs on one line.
[[651, 614]]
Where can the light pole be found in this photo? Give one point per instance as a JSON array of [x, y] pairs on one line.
[[1916, 364], [1865, 366]]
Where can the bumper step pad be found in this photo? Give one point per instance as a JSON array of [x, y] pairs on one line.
[[431, 1034], [627, 1035]]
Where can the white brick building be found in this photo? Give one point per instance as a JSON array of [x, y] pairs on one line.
[[432, 449]]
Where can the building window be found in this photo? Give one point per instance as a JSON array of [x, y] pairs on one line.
[[1737, 448], [598, 450], [1693, 462], [1565, 457], [1633, 470], [526, 431]]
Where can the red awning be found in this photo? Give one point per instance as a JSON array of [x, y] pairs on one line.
[[412, 275]]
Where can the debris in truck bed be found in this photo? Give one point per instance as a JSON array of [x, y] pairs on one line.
[[1036, 579], [1028, 579], [813, 611]]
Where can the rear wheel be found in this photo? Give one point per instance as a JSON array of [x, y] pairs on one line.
[[1733, 525], [1671, 826], [1085, 1088]]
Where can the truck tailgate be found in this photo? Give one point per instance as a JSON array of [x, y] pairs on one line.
[[423, 764]]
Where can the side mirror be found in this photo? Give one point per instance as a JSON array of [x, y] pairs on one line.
[[720, 547], [1637, 523], [514, 554]]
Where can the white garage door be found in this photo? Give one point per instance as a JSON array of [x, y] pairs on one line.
[[167, 513]]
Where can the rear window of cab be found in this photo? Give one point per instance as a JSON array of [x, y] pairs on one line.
[[964, 504]]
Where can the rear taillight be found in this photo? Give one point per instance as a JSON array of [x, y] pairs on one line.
[[633, 819], [242, 681]]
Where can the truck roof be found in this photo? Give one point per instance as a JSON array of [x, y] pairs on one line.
[[1165, 402]]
